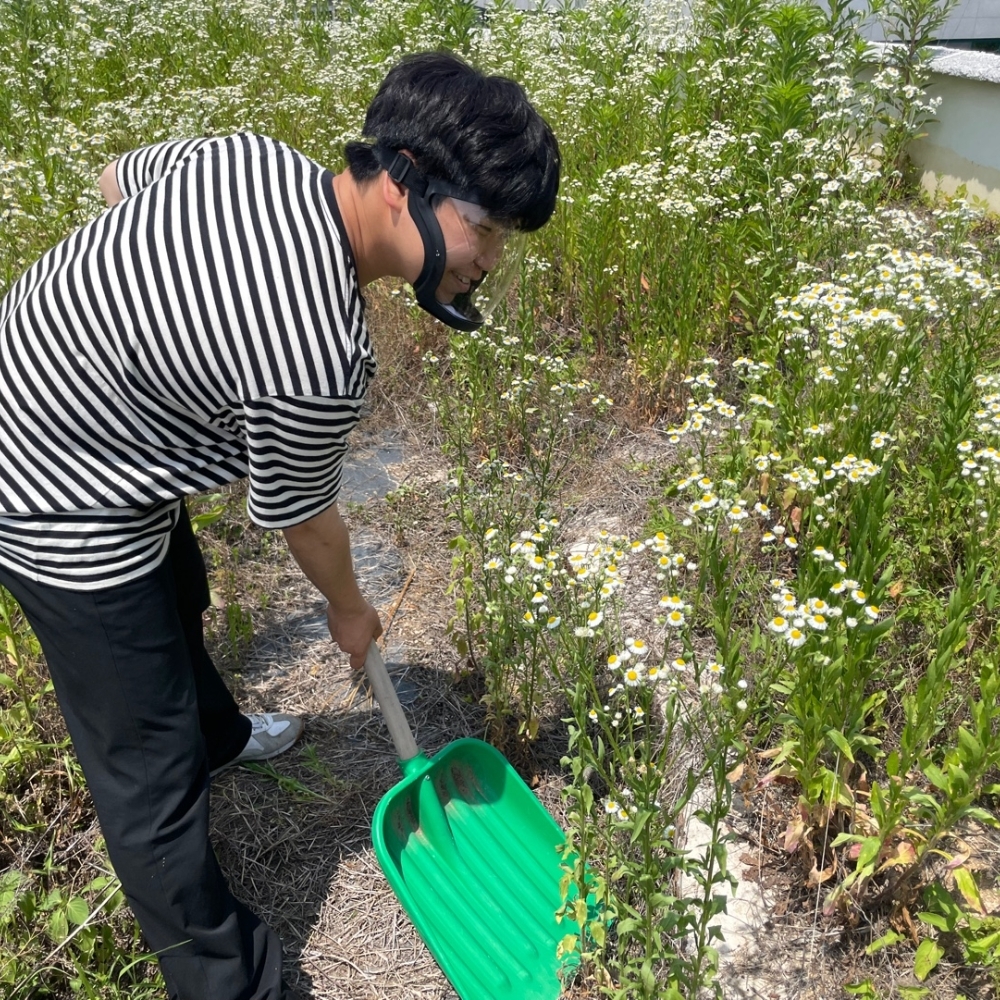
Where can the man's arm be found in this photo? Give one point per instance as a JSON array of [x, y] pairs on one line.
[[136, 169], [109, 184], [322, 548]]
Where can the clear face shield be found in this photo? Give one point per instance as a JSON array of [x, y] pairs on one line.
[[470, 260], [482, 259]]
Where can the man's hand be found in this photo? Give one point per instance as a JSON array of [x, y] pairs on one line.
[[322, 547], [354, 631], [109, 185]]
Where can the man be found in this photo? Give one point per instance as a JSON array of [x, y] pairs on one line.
[[210, 326]]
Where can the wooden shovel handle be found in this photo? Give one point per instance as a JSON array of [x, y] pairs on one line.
[[392, 711]]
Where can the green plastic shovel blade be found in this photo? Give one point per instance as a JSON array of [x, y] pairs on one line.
[[475, 860]]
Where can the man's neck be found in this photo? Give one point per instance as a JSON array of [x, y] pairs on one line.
[[370, 229], [350, 201]]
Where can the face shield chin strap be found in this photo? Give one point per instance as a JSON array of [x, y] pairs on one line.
[[460, 313]]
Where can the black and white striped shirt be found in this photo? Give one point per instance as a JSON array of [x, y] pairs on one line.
[[208, 327]]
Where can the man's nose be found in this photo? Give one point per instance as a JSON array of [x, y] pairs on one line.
[[487, 258]]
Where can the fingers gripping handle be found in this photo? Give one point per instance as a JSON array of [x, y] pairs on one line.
[[392, 711]]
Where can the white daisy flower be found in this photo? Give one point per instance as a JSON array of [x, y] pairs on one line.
[[633, 676], [796, 637]]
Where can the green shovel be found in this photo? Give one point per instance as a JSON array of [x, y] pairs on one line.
[[475, 859]]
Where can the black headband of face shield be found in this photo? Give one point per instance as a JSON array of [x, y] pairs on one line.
[[460, 313]]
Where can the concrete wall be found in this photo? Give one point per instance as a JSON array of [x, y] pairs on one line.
[[971, 21], [963, 145]]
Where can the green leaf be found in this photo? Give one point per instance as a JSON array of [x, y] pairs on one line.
[[199, 521], [927, 957], [941, 900], [885, 941], [567, 946], [58, 927], [643, 818], [564, 884], [870, 847], [598, 932], [982, 815], [840, 742], [83, 943], [10, 887], [985, 950], [967, 887], [846, 838], [77, 910], [647, 978], [864, 990], [935, 776], [935, 920]]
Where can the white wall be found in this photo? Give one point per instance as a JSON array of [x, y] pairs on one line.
[[970, 21], [963, 145]]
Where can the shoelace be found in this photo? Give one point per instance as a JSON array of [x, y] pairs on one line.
[[260, 723], [265, 723]]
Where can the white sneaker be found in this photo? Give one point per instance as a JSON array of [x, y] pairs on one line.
[[270, 734]]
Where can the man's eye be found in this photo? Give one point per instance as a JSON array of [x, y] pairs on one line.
[[480, 228]]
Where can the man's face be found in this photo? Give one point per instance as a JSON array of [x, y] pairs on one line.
[[473, 245]]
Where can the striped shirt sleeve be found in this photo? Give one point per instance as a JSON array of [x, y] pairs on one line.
[[296, 447], [140, 167]]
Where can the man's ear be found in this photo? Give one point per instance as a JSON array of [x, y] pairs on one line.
[[396, 194], [393, 193]]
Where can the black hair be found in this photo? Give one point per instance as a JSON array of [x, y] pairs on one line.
[[477, 132]]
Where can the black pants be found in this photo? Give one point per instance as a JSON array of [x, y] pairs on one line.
[[150, 716]]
